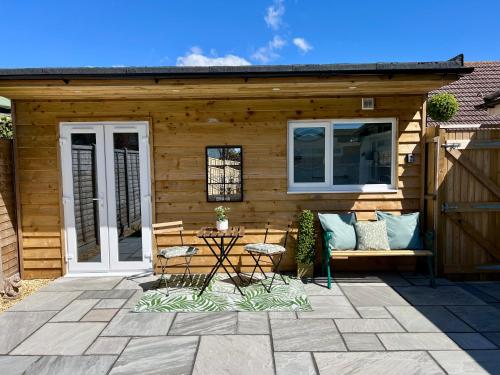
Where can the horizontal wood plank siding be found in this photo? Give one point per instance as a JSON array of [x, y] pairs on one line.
[[8, 231], [181, 130]]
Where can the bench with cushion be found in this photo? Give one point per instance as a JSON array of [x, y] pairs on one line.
[[329, 254]]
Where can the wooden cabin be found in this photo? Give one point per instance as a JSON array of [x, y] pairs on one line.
[[103, 153]]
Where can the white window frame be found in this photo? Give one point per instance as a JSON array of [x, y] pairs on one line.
[[328, 186]]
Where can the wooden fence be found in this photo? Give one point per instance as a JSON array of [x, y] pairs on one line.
[[462, 199], [9, 255]]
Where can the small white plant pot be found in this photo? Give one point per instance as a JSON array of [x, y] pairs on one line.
[[222, 224]]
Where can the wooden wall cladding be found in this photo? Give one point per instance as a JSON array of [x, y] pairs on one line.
[[180, 130], [8, 234]]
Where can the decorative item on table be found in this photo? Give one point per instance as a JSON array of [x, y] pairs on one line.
[[222, 223]]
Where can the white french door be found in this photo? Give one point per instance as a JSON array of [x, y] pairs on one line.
[[106, 196]]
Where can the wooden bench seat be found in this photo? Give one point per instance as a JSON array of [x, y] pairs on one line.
[[346, 254]]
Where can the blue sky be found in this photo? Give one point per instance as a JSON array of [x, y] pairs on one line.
[[188, 32]]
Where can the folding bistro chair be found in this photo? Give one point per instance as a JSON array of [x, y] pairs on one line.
[[264, 249], [166, 253]]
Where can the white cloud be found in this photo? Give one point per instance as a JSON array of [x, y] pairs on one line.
[[302, 45], [268, 52], [195, 57], [274, 14]]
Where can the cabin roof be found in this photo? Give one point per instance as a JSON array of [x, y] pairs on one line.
[[454, 65]]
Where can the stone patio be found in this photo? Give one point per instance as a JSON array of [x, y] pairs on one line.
[[366, 324]]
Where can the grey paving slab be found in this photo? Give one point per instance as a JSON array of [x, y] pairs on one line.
[[15, 364], [367, 279], [138, 283], [282, 315], [45, 301], [494, 337], [126, 323], [474, 362], [157, 355], [368, 325], [24, 324], [470, 340], [417, 341], [305, 335], [71, 365], [108, 345], [370, 363], [293, 363], [428, 319], [329, 307], [320, 289], [373, 312], [241, 354], [481, 318], [253, 323], [60, 339], [132, 301], [75, 310], [360, 342], [439, 296], [101, 294], [114, 303], [490, 288], [424, 281], [99, 315], [82, 283], [373, 296], [221, 323]]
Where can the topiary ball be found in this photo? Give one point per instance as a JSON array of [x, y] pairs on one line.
[[442, 107]]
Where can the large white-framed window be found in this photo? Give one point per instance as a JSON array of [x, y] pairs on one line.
[[342, 155]]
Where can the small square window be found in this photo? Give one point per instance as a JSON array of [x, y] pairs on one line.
[[224, 174]]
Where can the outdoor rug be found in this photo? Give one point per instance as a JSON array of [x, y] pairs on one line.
[[221, 295]]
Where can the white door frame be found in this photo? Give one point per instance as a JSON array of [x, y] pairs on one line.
[[106, 188], [141, 128], [66, 130]]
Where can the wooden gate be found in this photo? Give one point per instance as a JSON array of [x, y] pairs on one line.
[[463, 198]]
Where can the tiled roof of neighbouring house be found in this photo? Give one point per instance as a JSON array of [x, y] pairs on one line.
[[470, 91]]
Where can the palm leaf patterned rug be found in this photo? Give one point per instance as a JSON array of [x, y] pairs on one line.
[[221, 295]]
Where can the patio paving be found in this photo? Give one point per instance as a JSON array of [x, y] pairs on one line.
[[366, 324]]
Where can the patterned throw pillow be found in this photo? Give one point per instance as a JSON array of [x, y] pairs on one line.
[[371, 235]]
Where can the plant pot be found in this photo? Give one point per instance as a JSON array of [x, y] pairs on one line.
[[222, 224], [305, 270]]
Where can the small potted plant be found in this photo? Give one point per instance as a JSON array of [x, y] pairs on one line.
[[222, 222], [305, 245]]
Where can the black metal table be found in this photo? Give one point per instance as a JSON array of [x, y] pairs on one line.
[[221, 248]]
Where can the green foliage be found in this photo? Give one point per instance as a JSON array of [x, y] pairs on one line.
[[221, 212], [306, 238], [6, 127], [442, 107]]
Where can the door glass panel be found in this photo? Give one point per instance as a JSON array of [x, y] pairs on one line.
[[85, 191], [128, 196]]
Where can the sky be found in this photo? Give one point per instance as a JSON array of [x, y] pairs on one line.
[[241, 32]]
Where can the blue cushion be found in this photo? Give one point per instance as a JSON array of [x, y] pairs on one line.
[[342, 228], [403, 230]]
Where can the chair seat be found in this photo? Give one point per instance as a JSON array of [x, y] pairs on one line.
[[177, 251], [265, 248]]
